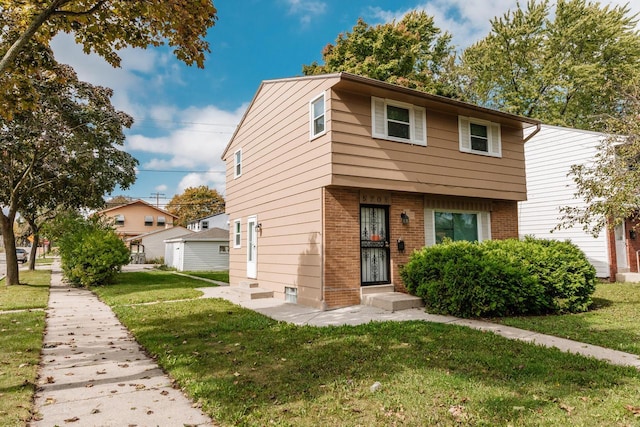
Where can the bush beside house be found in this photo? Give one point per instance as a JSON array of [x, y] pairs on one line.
[[501, 278]]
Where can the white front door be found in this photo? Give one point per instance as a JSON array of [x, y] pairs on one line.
[[621, 247], [252, 248]]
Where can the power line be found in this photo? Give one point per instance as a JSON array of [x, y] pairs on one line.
[[177, 171]]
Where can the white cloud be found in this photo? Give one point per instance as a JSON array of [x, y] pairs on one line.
[[467, 21], [306, 9], [196, 142]]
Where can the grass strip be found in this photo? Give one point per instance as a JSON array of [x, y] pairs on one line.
[[612, 321], [247, 369]]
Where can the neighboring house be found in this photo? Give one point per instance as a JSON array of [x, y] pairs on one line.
[[152, 243], [220, 220], [333, 181], [550, 155], [204, 251], [138, 217]]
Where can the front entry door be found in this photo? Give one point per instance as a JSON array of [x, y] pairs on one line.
[[374, 245], [252, 248], [621, 247]]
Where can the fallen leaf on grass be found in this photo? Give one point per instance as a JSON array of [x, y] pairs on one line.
[[635, 410], [457, 412], [567, 408]]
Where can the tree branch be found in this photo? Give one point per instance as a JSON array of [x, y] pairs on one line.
[[17, 46], [95, 7]]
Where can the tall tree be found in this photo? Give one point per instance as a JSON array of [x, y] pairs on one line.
[[64, 152], [609, 184], [565, 68], [101, 26], [194, 203], [412, 52]]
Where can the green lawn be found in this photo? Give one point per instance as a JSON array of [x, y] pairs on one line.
[[246, 369], [613, 322], [21, 336], [220, 276]]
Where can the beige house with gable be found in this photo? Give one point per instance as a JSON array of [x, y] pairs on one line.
[[138, 217], [333, 180]]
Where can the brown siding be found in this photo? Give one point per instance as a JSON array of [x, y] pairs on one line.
[[439, 168], [342, 247], [504, 220], [282, 177]]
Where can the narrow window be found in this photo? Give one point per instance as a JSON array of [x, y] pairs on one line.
[[205, 225], [237, 163], [317, 116], [148, 220], [236, 233], [398, 122], [479, 136], [119, 220], [161, 220]]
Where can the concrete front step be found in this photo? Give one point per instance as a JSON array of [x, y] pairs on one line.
[[628, 277], [376, 289], [245, 284], [246, 294], [392, 301]]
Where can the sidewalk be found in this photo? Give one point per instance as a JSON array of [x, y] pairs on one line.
[[93, 373]]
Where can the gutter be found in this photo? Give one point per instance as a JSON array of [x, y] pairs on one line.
[[534, 133]]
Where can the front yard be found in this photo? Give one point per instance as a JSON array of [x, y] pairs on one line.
[[246, 369]]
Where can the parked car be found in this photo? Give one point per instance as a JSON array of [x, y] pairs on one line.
[[22, 255]]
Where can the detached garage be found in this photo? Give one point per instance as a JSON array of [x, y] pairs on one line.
[[203, 251]]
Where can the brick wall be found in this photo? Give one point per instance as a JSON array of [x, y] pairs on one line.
[[412, 234], [342, 247], [504, 220]]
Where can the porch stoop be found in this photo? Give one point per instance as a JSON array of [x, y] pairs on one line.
[[250, 291], [628, 277], [385, 298]]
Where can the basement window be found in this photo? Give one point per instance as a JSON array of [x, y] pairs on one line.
[[291, 294]]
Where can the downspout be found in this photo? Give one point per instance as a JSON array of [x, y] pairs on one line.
[[534, 133]]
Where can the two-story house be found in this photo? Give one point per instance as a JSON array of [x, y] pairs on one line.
[[219, 220], [138, 217], [333, 180]]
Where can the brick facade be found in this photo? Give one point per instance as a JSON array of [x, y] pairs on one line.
[[504, 220], [342, 279], [341, 247]]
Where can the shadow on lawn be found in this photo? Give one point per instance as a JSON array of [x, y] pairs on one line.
[[238, 361]]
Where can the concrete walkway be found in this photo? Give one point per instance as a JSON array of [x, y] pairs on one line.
[[93, 373]]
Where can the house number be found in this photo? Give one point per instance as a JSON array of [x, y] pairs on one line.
[[375, 198]]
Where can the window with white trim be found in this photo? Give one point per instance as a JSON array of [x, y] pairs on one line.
[[237, 163], [148, 220], [456, 225], [205, 225], [479, 136], [161, 220], [398, 121], [119, 220], [236, 233], [317, 116]]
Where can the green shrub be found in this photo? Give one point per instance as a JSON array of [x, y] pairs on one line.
[[501, 278], [91, 253]]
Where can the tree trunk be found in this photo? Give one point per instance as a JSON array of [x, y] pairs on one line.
[[35, 232], [6, 224]]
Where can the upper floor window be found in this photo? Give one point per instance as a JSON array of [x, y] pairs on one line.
[[148, 220], [398, 121], [119, 220], [237, 163], [236, 233], [479, 136], [205, 225], [317, 116], [161, 220]]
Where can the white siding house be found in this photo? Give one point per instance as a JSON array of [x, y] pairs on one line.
[[204, 251], [220, 220], [549, 156], [152, 243]]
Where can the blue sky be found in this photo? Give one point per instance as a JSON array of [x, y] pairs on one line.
[[184, 116]]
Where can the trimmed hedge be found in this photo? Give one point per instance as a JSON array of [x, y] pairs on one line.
[[501, 278]]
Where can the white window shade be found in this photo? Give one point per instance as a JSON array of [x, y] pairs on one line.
[[494, 140], [380, 121]]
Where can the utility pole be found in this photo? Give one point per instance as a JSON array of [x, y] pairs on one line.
[[157, 195]]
